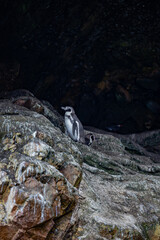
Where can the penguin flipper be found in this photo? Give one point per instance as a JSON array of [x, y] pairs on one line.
[[75, 128], [66, 132], [78, 131]]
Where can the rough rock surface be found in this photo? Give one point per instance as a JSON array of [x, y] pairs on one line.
[[119, 193], [85, 54], [53, 188], [35, 186]]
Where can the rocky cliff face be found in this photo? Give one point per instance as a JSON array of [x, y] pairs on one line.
[[52, 188], [40, 173], [85, 54]]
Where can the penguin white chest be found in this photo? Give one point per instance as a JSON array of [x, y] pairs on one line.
[[69, 126]]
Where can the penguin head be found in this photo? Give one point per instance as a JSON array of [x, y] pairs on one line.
[[89, 138], [68, 110]]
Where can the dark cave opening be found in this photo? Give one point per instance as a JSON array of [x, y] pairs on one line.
[[101, 57]]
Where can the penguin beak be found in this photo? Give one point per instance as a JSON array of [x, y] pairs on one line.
[[63, 108]]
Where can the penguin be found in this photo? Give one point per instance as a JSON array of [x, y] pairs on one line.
[[89, 138], [73, 125]]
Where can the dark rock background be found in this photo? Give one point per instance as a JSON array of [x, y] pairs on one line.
[[101, 57]]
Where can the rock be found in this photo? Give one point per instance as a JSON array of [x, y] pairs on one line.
[[26, 99], [148, 83], [52, 188], [4, 181], [15, 93], [118, 193], [38, 193], [34, 192], [37, 149], [30, 103], [153, 107], [7, 232]]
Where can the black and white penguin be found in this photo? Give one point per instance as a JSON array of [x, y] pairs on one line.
[[73, 125], [89, 138]]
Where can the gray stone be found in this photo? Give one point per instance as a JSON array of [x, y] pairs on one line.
[[42, 170]]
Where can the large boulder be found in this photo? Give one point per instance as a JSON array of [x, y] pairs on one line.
[[119, 193], [36, 184]]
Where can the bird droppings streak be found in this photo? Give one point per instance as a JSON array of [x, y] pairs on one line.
[[6, 125], [39, 199], [10, 202], [58, 207], [21, 172]]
